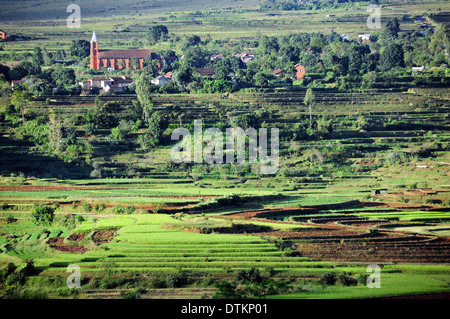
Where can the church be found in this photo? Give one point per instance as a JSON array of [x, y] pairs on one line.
[[118, 59]]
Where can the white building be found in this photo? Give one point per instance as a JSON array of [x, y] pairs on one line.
[[160, 80]]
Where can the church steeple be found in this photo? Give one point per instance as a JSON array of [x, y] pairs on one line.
[[94, 37], [95, 62]]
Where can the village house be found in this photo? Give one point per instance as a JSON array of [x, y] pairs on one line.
[[277, 72], [300, 71], [244, 56], [345, 38], [208, 72], [3, 35], [168, 75], [118, 59], [417, 69], [168, 60], [364, 38], [160, 80], [14, 83], [114, 84], [216, 57], [247, 57]]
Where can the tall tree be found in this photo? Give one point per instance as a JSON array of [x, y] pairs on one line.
[[20, 99], [143, 92], [392, 56], [391, 29], [439, 41], [156, 125], [309, 100], [157, 33], [183, 75], [38, 57], [80, 48], [55, 132]]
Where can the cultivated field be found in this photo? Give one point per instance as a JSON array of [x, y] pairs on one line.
[[367, 182]]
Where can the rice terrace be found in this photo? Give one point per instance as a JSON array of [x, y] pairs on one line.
[[93, 205]]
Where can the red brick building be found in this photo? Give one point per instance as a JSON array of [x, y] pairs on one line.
[[2, 35], [117, 59]]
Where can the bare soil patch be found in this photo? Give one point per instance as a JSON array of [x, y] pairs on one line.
[[76, 237], [58, 244], [103, 236]]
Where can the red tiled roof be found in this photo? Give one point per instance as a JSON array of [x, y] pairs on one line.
[[121, 79], [277, 71], [205, 71], [124, 54]]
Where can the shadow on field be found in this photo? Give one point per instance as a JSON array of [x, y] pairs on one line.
[[17, 156]]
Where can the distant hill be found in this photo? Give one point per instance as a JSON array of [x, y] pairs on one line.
[[34, 10]]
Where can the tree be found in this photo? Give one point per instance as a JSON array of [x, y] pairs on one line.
[[62, 75], [196, 56], [157, 33], [221, 71], [47, 56], [439, 41], [55, 133], [316, 44], [19, 99], [184, 75], [143, 92], [392, 56], [191, 41], [369, 79], [38, 57], [260, 79], [391, 29], [23, 69], [4, 70], [43, 215], [156, 125], [80, 48], [310, 99], [268, 44]]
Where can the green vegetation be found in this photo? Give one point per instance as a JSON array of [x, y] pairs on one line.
[[86, 177]]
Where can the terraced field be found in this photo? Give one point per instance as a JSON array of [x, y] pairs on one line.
[[373, 188]]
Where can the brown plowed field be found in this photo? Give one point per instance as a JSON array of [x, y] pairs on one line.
[[58, 244]]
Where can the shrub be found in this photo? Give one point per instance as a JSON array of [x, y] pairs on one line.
[[134, 294], [347, 281], [130, 210], [158, 208], [174, 280], [156, 283], [329, 278], [10, 219], [43, 215], [119, 210], [252, 275], [99, 207], [362, 279], [29, 269], [87, 207], [288, 252], [270, 271]]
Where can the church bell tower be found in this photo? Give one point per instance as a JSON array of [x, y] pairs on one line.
[[95, 62]]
